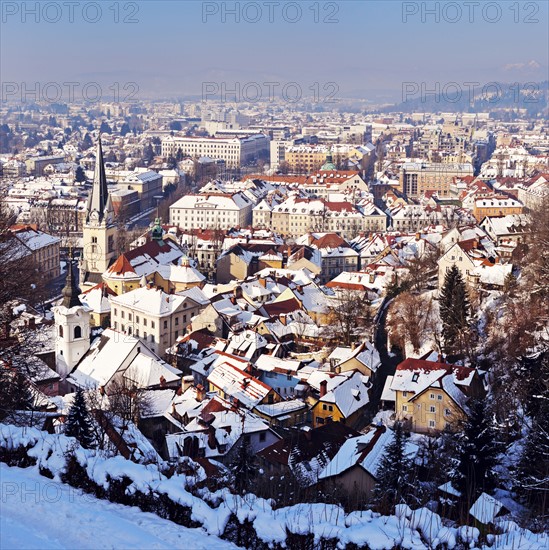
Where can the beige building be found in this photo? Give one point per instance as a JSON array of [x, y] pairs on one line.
[[297, 216], [433, 396], [417, 178], [43, 248], [147, 184], [155, 317]]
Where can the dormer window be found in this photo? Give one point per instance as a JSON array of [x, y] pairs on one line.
[[415, 377]]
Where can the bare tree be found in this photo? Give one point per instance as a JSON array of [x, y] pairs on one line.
[[350, 317], [412, 321]]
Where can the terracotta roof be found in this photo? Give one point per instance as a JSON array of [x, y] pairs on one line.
[[121, 266], [102, 286], [460, 372], [274, 309]]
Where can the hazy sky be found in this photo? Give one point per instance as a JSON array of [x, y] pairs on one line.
[[170, 48]]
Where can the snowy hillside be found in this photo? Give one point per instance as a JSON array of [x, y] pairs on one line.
[[40, 513]]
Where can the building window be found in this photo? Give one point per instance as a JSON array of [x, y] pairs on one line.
[[77, 331], [152, 324], [324, 407], [319, 420], [165, 324], [122, 314], [60, 331], [405, 408], [432, 423], [447, 412], [432, 396], [137, 318], [144, 322], [176, 321], [432, 409], [404, 394], [439, 397]]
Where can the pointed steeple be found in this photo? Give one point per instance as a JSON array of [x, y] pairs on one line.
[[71, 290], [99, 200]]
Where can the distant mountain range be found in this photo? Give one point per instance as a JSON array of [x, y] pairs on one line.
[[494, 96]]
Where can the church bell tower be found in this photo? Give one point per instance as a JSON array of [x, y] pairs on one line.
[[99, 234]]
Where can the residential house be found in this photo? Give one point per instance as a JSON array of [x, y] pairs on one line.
[[341, 398], [355, 468], [432, 396], [153, 316]]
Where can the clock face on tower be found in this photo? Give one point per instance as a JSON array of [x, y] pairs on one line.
[[92, 252], [94, 216]]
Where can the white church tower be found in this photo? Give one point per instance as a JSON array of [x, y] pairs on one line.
[[72, 328], [99, 232]]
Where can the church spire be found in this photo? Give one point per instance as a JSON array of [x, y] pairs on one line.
[[71, 290], [98, 201]]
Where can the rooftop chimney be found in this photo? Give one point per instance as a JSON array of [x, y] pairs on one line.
[[323, 388], [200, 393]]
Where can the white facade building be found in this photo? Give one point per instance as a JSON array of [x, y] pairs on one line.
[[215, 211], [234, 151]]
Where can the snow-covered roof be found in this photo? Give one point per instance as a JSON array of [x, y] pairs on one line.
[[349, 396], [365, 451], [151, 301], [485, 509], [238, 384]]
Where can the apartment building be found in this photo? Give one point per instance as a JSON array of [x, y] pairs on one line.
[[417, 178], [147, 184], [496, 206], [324, 183], [43, 248], [155, 317], [296, 216], [234, 151], [212, 211]]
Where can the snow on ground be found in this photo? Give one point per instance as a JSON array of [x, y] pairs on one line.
[[37, 512]]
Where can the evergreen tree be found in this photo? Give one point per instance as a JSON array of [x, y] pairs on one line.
[[478, 449], [393, 472], [532, 476], [244, 469], [15, 395], [532, 479], [105, 128], [87, 142], [79, 175], [79, 422], [125, 129], [454, 311]]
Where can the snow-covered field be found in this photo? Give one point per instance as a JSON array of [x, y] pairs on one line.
[[38, 513]]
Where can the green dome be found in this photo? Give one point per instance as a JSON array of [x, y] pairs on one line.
[[329, 164]]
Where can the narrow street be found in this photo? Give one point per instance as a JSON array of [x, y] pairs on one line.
[[388, 367]]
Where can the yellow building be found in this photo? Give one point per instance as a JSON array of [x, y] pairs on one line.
[[121, 276], [433, 396], [496, 206], [342, 398]]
